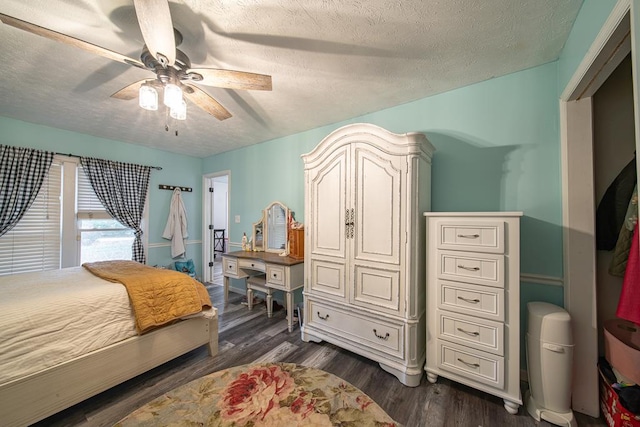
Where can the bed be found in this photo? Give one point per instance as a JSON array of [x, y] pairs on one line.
[[67, 335]]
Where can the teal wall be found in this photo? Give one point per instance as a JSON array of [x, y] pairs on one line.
[[497, 149], [176, 170], [592, 16]]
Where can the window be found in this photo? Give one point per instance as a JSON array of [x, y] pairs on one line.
[[34, 243], [66, 226], [100, 236]]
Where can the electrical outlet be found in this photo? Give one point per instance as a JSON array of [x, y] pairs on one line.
[[237, 219]]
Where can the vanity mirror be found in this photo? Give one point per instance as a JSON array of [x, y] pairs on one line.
[[275, 218], [258, 235]]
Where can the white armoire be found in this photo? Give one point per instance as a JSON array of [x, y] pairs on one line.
[[365, 191]]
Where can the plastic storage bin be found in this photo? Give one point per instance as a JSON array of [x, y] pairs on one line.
[[549, 364], [622, 348]]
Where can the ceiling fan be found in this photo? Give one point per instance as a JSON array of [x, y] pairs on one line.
[[160, 55]]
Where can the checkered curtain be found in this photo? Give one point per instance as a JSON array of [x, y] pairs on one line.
[[122, 189], [22, 171]]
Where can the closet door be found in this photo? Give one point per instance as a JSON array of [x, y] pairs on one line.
[[376, 241], [330, 206]]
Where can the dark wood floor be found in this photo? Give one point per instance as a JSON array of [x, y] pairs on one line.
[[249, 336]]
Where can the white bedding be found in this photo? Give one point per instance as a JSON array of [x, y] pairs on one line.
[[52, 316]]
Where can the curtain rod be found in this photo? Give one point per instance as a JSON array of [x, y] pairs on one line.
[[74, 155]]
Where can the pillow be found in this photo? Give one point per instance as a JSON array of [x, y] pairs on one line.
[[187, 267]]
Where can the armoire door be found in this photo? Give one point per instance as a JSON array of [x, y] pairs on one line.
[[330, 210], [376, 243]]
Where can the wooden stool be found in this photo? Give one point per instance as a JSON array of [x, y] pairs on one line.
[[257, 283]]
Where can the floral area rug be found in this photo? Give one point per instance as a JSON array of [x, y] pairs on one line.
[[263, 395]]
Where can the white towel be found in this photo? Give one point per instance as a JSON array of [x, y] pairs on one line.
[[176, 228]]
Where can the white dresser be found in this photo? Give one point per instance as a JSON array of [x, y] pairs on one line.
[[473, 301], [365, 191]]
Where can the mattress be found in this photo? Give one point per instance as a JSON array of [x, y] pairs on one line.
[[49, 317]]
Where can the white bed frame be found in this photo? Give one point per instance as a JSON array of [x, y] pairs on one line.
[[27, 400]]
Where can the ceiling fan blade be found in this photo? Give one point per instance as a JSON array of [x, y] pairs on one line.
[[130, 92], [232, 79], [206, 102], [63, 38], [154, 18]]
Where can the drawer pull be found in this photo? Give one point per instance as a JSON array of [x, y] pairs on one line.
[[386, 337], [275, 275], [473, 334], [471, 365], [252, 265], [469, 236], [472, 301], [349, 223], [469, 268], [323, 318]]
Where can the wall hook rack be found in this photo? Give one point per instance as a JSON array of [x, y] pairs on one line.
[[173, 187]]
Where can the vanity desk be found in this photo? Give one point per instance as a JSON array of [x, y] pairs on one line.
[[265, 268], [282, 273]]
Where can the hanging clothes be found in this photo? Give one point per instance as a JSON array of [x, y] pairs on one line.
[[629, 303], [176, 228], [618, 264], [611, 210]]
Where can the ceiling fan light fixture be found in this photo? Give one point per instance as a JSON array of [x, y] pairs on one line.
[[172, 95], [179, 112], [148, 97]]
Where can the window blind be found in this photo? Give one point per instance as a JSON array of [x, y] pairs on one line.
[[88, 206], [34, 243]]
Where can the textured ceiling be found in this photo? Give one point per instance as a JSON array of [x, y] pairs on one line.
[[330, 60]]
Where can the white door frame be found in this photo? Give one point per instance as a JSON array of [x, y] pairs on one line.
[[609, 48], [207, 212]]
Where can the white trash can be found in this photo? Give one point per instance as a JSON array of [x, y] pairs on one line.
[[549, 363]]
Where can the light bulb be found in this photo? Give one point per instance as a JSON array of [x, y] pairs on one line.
[[179, 112], [148, 97], [172, 95]]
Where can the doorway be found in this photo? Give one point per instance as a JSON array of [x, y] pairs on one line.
[[215, 214], [610, 48]]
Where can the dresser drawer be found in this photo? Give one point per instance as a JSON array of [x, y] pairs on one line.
[[375, 334], [276, 275], [483, 269], [230, 266], [481, 334], [474, 300], [251, 264], [471, 235], [473, 364]]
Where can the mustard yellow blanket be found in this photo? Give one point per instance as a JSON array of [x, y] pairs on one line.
[[157, 296]]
